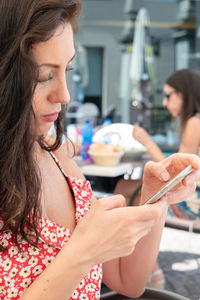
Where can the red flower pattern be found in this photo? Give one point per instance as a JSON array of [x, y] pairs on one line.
[[19, 269]]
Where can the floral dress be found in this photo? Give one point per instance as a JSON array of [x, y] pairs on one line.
[[19, 269]]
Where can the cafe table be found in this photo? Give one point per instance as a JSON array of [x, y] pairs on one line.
[[103, 179]]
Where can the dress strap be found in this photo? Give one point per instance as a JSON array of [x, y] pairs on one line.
[[52, 154]]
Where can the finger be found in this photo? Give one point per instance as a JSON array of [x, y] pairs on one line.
[[192, 159], [157, 170], [112, 202], [158, 208], [180, 194], [182, 160], [193, 177], [146, 212]]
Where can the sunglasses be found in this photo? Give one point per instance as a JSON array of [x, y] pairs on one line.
[[167, 96]]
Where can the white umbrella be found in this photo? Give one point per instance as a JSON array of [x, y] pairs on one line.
[[138, 52]]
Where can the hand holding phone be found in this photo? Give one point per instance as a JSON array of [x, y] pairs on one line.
[[177, 179]]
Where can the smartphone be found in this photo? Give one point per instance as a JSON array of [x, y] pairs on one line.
[[166, 188]]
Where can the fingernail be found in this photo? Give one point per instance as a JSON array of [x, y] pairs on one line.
[[188, 181], [165, 176]]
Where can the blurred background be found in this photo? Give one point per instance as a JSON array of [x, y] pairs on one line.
[[125, 51]]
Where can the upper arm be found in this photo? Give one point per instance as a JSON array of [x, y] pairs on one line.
[[191, 136]]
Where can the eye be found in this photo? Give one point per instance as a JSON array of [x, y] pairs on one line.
[[45, 78]]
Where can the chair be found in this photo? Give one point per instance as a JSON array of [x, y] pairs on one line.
[[192, 225], [149, 294], [88, 111]]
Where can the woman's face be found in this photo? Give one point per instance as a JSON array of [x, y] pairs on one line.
[[173, 100], [53, 58]]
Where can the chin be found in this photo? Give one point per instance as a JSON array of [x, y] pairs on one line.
[[174, 114], [43, 130]]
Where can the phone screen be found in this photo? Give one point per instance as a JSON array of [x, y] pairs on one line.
[[166, 188]]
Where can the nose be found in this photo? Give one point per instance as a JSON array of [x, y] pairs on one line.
[[164, 102], [64, 96], [61, 93]]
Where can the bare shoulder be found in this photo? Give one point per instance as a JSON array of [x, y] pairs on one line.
[[191, 136], [190, 130], [193, 122], [65, 154]]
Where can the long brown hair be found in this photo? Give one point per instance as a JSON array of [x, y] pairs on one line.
[[187, 82], [24, 23]]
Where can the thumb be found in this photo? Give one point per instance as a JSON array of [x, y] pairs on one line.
[[115, 201], [156, 169]]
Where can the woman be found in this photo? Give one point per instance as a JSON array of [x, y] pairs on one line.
[[54, 235], [182, 99]]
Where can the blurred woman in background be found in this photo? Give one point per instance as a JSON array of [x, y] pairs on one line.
[[182, 99]]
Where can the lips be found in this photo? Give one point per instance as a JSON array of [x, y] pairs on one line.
[[50, 117]]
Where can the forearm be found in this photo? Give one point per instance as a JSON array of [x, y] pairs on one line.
[[132, 271], [61, 277], [154, 151], [137, 267]]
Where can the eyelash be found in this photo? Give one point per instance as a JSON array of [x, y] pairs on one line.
[[69, 69], [45, 79], [51, 77]]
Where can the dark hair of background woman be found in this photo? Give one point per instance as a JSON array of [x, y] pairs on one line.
[[187, 82], [24, 23]]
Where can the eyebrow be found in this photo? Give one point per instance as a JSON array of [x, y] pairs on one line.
[[55, 65]]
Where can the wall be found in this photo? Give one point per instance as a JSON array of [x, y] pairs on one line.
[[101, 26]]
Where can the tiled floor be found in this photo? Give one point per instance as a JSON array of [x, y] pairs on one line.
[[179, 258]]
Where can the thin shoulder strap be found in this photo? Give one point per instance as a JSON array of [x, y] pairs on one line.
[[58, 164]]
